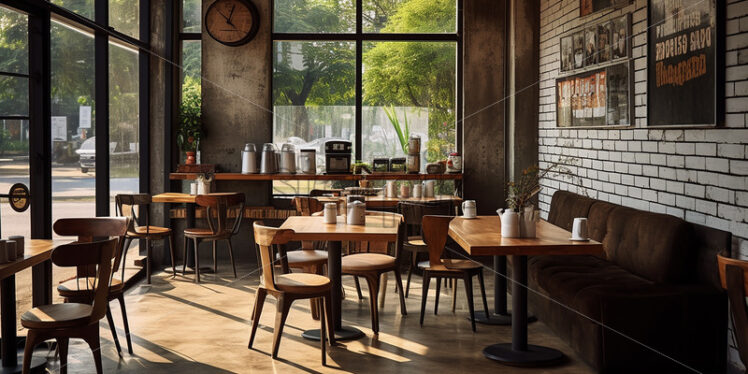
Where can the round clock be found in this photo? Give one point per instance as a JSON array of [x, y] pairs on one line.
[[232, 22]]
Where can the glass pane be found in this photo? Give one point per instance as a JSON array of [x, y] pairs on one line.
[[14, 96], [82, 7], [409, 88], [191, 15], [410, 16], [14, 52], [313, 96], [124, 16], [73, 122], [14, 168], [315, 16], [191, 62], [123, 121]]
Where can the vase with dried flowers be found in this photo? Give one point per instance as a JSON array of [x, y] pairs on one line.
[[190, 121]]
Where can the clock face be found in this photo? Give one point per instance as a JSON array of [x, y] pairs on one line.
[[232, 22]]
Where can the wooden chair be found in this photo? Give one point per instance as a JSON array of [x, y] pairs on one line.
[[137, 208], [732, 274], [371, 266], [310, 258], [435, 231], [288, 287], [73, 320], [78, 289], [217, 210], [315, 193]]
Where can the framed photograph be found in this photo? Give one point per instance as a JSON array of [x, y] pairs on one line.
[[618, 111], [684, 65], [603, 42], [596, 98], [564, 91], [587, 7], [620, 37], [590, 46], [578, 40], [567, 53]]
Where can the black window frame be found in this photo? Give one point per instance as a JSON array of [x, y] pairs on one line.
[[359, 37]]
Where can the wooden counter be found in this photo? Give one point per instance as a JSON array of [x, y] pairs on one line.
[[317, 177]]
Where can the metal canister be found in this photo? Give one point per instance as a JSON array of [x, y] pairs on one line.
[[414, 163], [414, 144]]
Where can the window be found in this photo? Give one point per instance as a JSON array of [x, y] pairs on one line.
[[393, 74], [190, 64], [124, 16]]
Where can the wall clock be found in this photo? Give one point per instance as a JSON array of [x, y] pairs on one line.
[[232, 22]]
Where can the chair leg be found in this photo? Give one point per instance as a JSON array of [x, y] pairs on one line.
[[32, 339], [215, 259], [171, 252], [92, 338], [322, 331], [259, 301], [124, 256], [330, 318], [62, 348], [425, 293], [283, 306], [148, 256], [399, 285], [197, 261], [373, 283], [184, 257], [469, 294], [483, 292], [438, 292], [121, 299], [410, 272], [382, 290], [358, 288], [454, 294], [231, 256], [114, 330], [313, 307]]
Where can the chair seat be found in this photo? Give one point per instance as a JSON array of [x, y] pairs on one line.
[[416, 241], [367, 261], [77, 287], [197, 232], [306, 257], [149, 231], [302, 283], [57, 316], [453, 264]]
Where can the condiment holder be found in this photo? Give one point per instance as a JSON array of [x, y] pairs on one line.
[[331, 213], [20, 242]]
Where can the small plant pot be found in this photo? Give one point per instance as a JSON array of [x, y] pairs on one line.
[[190, 158]]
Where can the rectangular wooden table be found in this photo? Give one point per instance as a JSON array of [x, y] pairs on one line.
[[377, 228], [482, 237], [36, 255]]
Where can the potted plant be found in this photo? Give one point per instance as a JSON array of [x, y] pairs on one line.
[[190, 120]]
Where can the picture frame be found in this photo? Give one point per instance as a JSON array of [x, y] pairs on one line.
[[599, 98], [578, 47], [587, 7]]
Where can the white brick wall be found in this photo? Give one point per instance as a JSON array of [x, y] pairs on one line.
[[700, 175]]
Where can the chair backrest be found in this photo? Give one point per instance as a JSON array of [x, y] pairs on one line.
[[388, 218], [314, 193], [306, 206], [217, 211], [266, 239], [97, 255], [435, 231], [414, 212], [732, 274], [89, 229], [134, 206]]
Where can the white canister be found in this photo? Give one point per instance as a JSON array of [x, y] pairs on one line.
[[417, 191], [509, 223], [193, 188], [331, 213], [428, 188], [390, 189], [356, 213], [468, 209], [249, 159]]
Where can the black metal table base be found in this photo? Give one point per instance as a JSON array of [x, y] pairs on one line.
[[38, 364], [343, 333], [534, 355]]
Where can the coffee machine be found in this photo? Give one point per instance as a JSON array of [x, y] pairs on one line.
[[338, 157]]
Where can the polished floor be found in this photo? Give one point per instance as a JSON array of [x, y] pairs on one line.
[[181, 327]]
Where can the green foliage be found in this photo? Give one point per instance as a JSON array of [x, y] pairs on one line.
[[403, 134], [190, 116]]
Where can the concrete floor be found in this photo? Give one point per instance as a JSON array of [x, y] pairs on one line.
[[180, 327]]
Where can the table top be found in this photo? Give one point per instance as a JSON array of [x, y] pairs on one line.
[[36, 251], [174, 197], [482, 237], [377, 228]]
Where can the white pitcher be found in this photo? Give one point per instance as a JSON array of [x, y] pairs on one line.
[[509, 223], [203, 184]]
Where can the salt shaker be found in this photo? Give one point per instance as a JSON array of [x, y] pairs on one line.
[[331, 213]]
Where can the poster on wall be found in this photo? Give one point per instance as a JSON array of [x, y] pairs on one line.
[[567, 53], [603, 42], [619, 37], [596, 98], [587, 7], [578, 40], [682, 64]]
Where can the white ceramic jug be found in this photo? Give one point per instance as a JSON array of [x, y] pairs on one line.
[[356, 213], [509, 223]]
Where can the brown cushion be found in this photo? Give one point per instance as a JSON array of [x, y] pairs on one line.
[[565, 206], [656, 246], [597, 219], [302, 283]]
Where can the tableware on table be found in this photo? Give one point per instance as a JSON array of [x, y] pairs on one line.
[[469, 209], [20, 242], [528, 219], [10, 250], [249, 159], [404, 190], [308, 161], [390, 189], [428, 188], [356, 213], [269, 162], [288, 159], [193, 188], [417, 190], [331, 213], [3, 254], [509, 223], [579, 229]]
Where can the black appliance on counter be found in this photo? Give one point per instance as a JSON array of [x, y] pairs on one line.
[[338, 154]]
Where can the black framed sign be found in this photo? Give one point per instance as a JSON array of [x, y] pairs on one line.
[[683, 86]]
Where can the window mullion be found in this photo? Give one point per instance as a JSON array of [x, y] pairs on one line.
[[359, 81]]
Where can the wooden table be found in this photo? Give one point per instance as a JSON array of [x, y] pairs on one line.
[[391, 202], [36, 256], [482, 237], [189, 202], [377, 228]]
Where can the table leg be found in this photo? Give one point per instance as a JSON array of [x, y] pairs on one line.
[[518, 352], [41, 283], [8, 320], [500, 316], [334, 273]]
